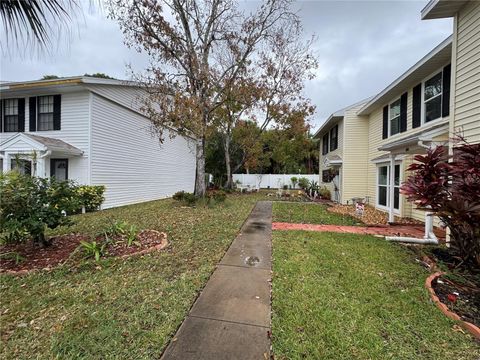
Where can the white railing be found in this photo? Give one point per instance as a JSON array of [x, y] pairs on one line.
[[272, 181]]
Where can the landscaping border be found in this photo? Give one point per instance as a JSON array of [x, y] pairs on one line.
[[471, 328], [151, 249]]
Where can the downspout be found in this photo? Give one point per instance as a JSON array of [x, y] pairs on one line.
[[428, 238]]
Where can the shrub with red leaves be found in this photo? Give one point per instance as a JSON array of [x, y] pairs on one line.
[[451, 190]]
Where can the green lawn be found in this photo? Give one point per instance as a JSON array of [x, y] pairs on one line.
[[309, 213], [119, 309], [344, 296]]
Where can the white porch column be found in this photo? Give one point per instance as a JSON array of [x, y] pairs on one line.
[[391, 193], [6, 162], [41, 167]]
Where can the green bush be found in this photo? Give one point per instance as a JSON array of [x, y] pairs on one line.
[[217, 195], [91, 197], [190, 199], [30, 205], [303, 183], [178, 196], [294, 181], [325, 193]]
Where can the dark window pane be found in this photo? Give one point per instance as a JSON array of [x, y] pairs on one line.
[[433, 86], [395, 109], [382, 195], [396, 198], [382, 175], [395, 125], [397, 175], [433, 109]]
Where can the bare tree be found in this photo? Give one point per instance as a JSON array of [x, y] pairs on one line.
[[197, 50], [273, 91]]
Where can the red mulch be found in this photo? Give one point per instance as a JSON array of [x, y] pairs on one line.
[[146, 239], [35, 257]]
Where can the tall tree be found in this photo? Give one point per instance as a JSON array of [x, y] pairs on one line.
[[272, 91], [197, 49]]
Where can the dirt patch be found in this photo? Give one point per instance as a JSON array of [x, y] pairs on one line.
[[25, 257], [371, 216]]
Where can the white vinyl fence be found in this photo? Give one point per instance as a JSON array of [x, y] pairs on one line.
[[272, 181]]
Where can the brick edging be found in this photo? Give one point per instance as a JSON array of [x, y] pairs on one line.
[[471, 328]]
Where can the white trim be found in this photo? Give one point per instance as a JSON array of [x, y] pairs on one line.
[[422, 116], [377, 185], [90, 120], [22, 137], [390, 119], [398, 158]]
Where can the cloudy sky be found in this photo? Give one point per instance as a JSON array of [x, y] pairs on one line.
[[362, 46]]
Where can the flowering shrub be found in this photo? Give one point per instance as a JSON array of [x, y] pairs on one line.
[[30, 205], [451, 190], [91, 197]]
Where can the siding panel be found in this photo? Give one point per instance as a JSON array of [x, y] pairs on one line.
[[75, 124], [131, 163], [467, 73]]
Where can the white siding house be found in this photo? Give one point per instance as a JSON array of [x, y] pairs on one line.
[[92, 131]]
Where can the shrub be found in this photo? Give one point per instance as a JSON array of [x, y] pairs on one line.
[[217, 195], [312, 187], [294, 181], [91, 197], [92, 249], [31, 205], [285, 187], [190, 199], [325, 193], [303, 183], [451, 190], [178, 196]]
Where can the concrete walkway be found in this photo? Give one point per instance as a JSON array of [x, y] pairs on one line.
[[231, 317]]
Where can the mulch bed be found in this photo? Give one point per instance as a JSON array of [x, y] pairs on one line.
[[458, 289], [462, 299], [147, 239], [371, 216], [34, 257]]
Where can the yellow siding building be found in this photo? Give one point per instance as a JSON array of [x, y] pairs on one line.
[[435, 99]]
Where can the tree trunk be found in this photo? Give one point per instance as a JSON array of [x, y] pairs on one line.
[[226, 145], [200, 187]]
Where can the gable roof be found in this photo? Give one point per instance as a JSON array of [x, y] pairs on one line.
[[431, 62], [436, 9], [338, 115], [40, 143]]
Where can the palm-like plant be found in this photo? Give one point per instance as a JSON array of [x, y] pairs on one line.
[[33, 19]]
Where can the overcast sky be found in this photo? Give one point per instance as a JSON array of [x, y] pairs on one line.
[[362, 46]]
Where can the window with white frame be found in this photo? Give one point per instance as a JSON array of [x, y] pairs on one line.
[[10, 115], [394, 117], [432, 98], [383, 187], [45, 113]]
